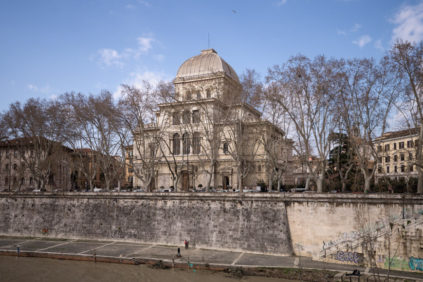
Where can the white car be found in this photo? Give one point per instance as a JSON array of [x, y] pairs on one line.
[[97, 189]]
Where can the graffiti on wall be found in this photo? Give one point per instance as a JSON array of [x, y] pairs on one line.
[[416, 263], [349, 257], [396, 263]]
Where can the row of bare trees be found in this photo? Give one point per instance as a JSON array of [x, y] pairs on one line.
[[308, 99], [356, 98]]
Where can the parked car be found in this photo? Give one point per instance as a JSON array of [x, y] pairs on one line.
[[298, 190], [97, 189], [138, 190]]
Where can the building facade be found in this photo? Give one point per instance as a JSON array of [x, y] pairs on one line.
[[206, 137], [397, 154], [34, 163]]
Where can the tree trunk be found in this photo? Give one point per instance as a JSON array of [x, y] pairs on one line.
[[320, 183], [420, 162], [307, 184]]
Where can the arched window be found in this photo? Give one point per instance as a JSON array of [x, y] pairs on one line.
[[176, 119], [196, 139], [198, 95], [189, 95], [176, 144], [185, 144], [152, 148], [196, 116], [208, 93], [186, 117], [226, 148]]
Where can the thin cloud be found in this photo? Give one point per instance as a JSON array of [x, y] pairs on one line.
[[144, 43], [356, 27], [44, 90], [409, 21], [281, 2], [341, 32], [363, 41], [145, 3], [137, 79], [111, 57], [130, 6], [378, 45]]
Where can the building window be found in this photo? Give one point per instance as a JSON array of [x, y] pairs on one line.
[[6, 181], [416, 143], [152, 148], [208, 93], [196, 148], [198, 95], [176, 118], [395, 146], [386, 147], [186, 117], [379, 159], [395, 158], [189, 96], [176, 144], [401, 145], [410, 156], [387, 159], [402, 157], [395, 169], [6, 168], [258, 168], [410, 144], [226, 148], [15, 167], [411, 168], [185, 144], [402, 168], [379, 148], [30, 181], [387, 169], [15, 154], [195, 116], [379, 169]]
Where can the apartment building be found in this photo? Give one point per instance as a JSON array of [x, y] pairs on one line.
[[397, 154]]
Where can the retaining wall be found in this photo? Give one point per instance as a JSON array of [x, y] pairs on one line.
[[323, 226]]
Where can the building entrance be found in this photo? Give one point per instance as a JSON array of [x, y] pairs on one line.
[[225, 180], [185, 181]]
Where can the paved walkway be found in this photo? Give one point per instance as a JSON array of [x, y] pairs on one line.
[[133, 251]]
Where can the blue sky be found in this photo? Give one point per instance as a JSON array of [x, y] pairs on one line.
[[51, 47]]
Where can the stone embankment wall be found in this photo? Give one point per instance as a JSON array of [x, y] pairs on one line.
[[345, 228], [208, 222]]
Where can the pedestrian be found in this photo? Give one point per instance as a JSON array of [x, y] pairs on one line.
[[186, 244], [179, 253]]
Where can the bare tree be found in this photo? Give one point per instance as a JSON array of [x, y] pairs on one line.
[[407, 60], [306, 95], [366, 93], [137, 108], [38, 128], [95, 118]]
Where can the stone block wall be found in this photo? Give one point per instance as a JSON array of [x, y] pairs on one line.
[[221, 223]]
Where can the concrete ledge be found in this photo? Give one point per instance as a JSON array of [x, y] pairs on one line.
[[273, 196]]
